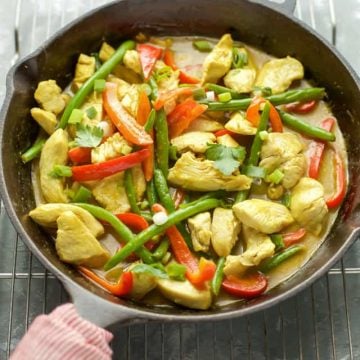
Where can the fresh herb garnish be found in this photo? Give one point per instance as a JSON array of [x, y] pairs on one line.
[[88, 136], [226, 159]]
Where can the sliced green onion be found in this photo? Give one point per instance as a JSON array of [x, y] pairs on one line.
[[263, 135], [76, 116], [156, 270], [275, 177], [254, 171], [199, 94], [99, 85], [224, 97], [91, 112], [278, 241], [240, 58], [176, 271], [202, 45], [146, 88], [154, 88], [61, 171], [82, 195]]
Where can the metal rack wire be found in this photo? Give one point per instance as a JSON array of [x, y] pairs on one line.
[[323, 322]]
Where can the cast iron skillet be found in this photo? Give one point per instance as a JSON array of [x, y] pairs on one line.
[[268, 29]]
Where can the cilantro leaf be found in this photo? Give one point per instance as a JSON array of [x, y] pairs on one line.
[[226, 159], [88, 136]]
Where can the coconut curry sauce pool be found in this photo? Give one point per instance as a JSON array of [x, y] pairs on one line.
[[186, 171]]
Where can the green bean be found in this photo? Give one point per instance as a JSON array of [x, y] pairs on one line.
[[217, 89], [162, 142], [218, 277], [150, 121], [154, 89], [163, 191], [161, 250], [105, 69], [257, 142], [34, 151], [151, 192], [123, 231], [242, 195], [168, 203], [154, 230], [278, 241], [277, 259], [305, 128], [278, 99], [211, 195], [130, 191]]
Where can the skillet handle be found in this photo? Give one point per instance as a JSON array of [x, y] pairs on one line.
[[285, 6], [97, 310]]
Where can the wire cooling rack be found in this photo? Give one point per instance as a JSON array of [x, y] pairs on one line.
[[322, 322]]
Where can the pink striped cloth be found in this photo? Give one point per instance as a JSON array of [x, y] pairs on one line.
[[63, 335]]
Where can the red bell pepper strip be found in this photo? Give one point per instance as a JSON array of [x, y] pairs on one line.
[[248, 286], [123, 286], [253, 114], [317, 150], [134, 221], [196, 272], [301, 107], [148, 56], [125, 123], [339, 195], [183, 76], [182, 116], [223, 132], [103, 169], [80, 155], [292, 238], [143, 112]]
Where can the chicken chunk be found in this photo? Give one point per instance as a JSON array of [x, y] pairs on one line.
[[227, 140], [84, 69], [204, 124], [200, 230], [239, 125], [106, 52], [278, 74], [138, 181], [283, 151], [225, 228], [218, 62], [195, 141], [46, 119], [54, 152], [186, 294], [169, 82], [264, 216], [143, 283], [110, 193], [113, 147], [47, 214], [131, 100], [132, 61], [308, 206], [200, 175], [75, 244], [258, 247], [49, 97], [241, 80]]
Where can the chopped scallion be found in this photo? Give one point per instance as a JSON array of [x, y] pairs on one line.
[[224, 97], [76, 116], [240, 58], [176, 271], [275, 177], [91, 112], [254, 171], [82, 195], [61, 171], [202, 45], [99, 85]]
